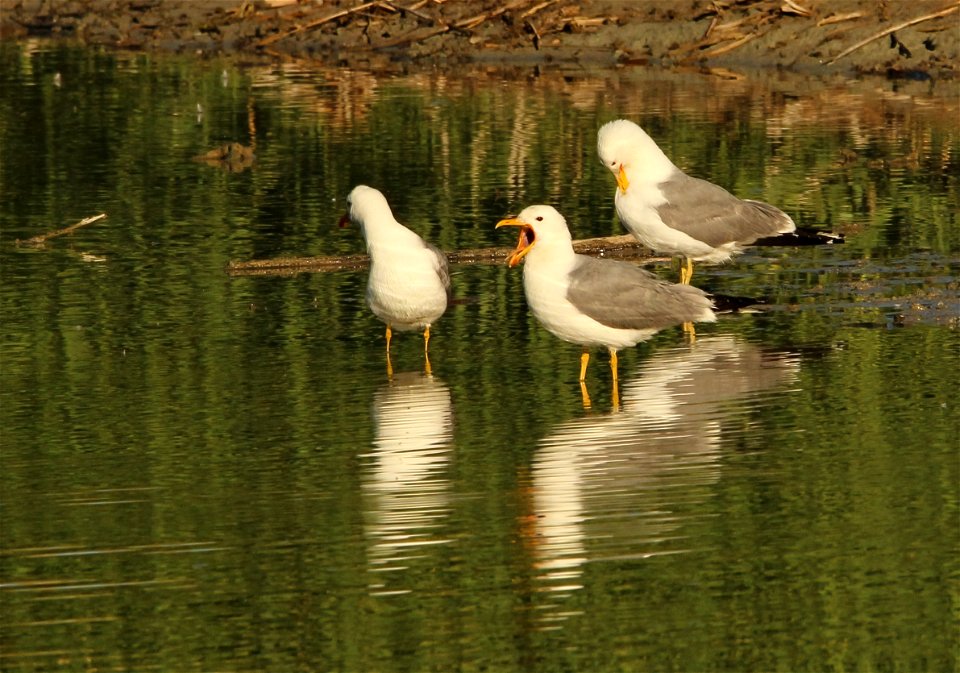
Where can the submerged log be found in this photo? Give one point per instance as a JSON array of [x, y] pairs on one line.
[[619, 247]]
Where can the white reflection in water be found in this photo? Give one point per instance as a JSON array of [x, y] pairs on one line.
[[406, 484], [615, 486]]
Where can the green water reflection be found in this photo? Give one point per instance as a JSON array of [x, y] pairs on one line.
[[205, 472]]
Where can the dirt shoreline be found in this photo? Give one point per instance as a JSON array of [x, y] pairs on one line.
[[914, 40]]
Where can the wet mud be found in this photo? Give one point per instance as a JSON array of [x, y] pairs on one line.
[[916, 40]]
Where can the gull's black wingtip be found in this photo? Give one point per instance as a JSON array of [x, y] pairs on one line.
[[725, 303], [803, 236]]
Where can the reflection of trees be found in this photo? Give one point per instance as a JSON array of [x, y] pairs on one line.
[[340, 97], [470, 142]]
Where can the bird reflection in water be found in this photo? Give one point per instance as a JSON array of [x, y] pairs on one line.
[[606, 487], [405, 483], [427, 369]]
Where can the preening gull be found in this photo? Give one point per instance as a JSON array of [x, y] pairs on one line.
[[409, 282], [671, 212]]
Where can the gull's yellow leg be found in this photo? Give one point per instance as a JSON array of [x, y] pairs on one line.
[[690, 331], [389, 335], [584, 359], [426, 339], [389, 366], [615, 390], [585, 395], [686, 271], [426, 365]]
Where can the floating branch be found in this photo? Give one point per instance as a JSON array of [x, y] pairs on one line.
[[288, 266], [622, 247], [43, 238], [893, 29]]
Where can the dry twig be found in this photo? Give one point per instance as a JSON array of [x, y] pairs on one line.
[[791, 7], [838, 18], [409, 10], [893, 29], [462, 24], [536, 8], [729, 46], [318, 22], [536, 33]]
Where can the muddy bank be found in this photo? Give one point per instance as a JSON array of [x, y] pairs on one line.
[[901, 39]]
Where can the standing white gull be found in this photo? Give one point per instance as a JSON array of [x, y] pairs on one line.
[[595, 302], [409, 283], [671, 212]]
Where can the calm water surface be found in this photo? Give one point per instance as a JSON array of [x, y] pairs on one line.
[[207, 472]]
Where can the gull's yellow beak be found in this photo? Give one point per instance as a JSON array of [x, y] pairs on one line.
[[622, 181], [527, 239]]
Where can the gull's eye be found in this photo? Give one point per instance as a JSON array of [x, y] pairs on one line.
[[539, 218]]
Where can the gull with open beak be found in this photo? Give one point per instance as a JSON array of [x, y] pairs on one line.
[[671, 212], [409, 283], [595, 302]]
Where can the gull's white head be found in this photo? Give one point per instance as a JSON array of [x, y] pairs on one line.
[[541, 227], [628, 151], [367, 207]]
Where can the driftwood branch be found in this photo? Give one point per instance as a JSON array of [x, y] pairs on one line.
[[43, 238], [893, 29], [620, 247]]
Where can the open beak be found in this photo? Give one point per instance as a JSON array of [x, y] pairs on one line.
[[622, 181], [527, 239], [344, 220]]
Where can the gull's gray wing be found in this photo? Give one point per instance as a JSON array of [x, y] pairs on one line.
[[713, 215], [621, 295], [443, 266]]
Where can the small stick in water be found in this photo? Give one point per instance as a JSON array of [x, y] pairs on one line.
[[43, 238]]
